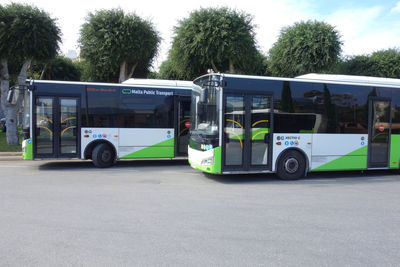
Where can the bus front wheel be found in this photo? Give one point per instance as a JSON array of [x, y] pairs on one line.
[[291, 165], [103, 156]]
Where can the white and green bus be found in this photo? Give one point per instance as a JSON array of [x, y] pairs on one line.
[[250, 124], [104, 122]]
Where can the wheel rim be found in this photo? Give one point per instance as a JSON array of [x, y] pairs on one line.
[[106, 156], [291, 165]]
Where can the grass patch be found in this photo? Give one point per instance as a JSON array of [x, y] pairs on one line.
[[4, 147]]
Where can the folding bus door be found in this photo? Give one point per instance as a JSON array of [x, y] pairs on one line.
[[379, 132], [56, 133], [247, 125]]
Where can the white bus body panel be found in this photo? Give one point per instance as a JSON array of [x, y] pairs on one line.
[[126, 141], [133, 140], [92, 134], [328, 147], [301, 142]]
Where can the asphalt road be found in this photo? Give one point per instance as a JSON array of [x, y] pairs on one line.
[[165, 213]]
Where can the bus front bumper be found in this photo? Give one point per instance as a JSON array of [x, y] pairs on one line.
[[207, 161]]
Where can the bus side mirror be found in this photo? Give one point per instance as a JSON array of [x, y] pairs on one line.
[[204, 96], [266, 138], [10, 96]]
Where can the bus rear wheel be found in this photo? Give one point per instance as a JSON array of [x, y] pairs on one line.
[[291, 165], [103, 156]]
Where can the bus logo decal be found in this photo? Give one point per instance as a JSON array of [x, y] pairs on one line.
[[126, 91]]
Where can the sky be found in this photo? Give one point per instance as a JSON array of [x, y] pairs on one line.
[[365, 26]]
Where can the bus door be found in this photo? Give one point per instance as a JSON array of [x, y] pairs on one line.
[[379, 132], [247, 134], [56, 127], [182, 125]]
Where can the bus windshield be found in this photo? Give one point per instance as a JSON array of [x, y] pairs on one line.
[[204, 112]]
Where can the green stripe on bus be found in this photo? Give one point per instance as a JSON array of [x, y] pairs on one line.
[[163, 149], [259, 134], [356, 160], [394, 151]]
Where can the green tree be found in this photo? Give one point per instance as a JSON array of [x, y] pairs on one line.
[[168, 70], [354, 65], [115, 44], [305, 47], [386, 63], [383, 63], [213, 38], [26, 33], [60, 68]]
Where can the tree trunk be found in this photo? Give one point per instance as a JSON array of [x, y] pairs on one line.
[[132, 70], [43, 71], [22, 73], [11, 124], [214, 67], [11, 110], [4, 85], [231, 67], [122, 72]]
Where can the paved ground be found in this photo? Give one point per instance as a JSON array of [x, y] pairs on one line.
[[165, 213]]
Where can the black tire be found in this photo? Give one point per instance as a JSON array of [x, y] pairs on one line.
[[291, 165], [103, 156]]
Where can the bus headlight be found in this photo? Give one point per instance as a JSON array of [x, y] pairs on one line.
[[208, 161]]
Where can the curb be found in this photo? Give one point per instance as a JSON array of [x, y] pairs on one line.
[[10, 153], [10, 156]]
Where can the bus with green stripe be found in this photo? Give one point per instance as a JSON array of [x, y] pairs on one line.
[[104, 122], [292, 126]]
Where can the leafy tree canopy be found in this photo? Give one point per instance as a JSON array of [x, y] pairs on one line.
[[217, 38], [382, 63], [305, 47], [60, 68], [115, 43], [27, 32]]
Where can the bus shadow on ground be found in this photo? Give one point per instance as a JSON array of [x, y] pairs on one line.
[[87, 164], [347, 177]]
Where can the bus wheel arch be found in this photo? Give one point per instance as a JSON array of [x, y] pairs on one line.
[[101, 152], [292, 164]]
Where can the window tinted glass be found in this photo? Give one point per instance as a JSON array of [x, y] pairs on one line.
[[296, 111], [322, 108], [103, 107], [395, 112], [345, 108], [129, 108], [146, 112]]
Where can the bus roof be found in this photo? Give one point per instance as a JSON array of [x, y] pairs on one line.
[[153, 82], [350, 78], [322, 78], [130, 82]]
